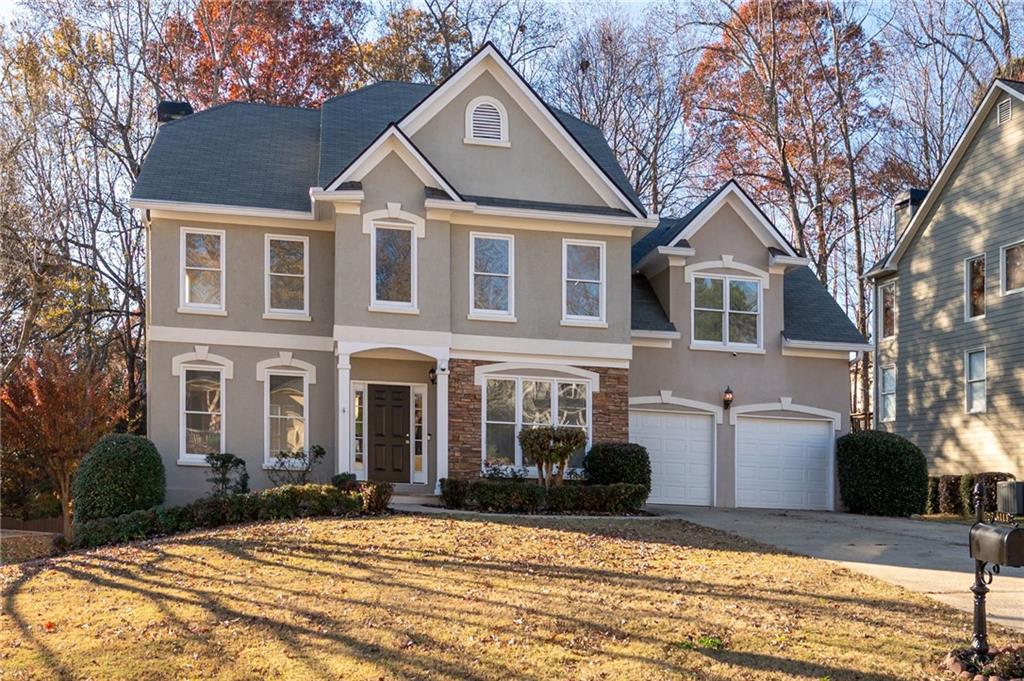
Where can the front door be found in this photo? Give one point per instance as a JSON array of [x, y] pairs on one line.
[[388, 412]]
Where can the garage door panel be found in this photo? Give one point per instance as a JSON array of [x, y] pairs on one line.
[[783, 463], [680, 447]]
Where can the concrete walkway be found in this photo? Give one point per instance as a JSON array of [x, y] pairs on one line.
[[928, 557]]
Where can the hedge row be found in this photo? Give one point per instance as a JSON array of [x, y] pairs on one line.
[[528, 497], [954, 494], [277, 503], [881, 474]]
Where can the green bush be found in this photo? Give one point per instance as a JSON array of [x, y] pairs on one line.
[[618, 498], [120, 474], [989, 481], [564, 499], [506, 497], [376, 496], [932, 503], [951, 501], [289, 501], [345, 481], [881, 474], [613, 462], [453, 492], [228, 474]]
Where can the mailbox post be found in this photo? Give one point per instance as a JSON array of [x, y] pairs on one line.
[[994, 544]]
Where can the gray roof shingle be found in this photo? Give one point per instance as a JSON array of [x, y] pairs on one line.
[[810, 313], [239, 154], [256, 155], [648, 314], [669, 228]]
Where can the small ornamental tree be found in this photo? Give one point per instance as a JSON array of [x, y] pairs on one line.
[[228, 474], [551, 446], [53, 411]]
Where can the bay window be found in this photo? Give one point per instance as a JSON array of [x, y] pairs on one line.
[[512, 403]]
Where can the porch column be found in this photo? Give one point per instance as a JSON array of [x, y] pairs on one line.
[[442, 423], [344, 413]]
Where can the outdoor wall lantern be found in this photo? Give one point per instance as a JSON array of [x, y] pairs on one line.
[[432, 375], [994, 544], [727, 397]]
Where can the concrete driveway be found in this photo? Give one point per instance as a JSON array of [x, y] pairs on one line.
[[927, 557]]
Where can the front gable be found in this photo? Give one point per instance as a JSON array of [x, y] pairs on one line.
[[543, 161]]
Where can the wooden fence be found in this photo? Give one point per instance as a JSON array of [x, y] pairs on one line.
[[37, 525]]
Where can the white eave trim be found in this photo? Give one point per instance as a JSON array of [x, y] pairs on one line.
[[827, 346], [220, 209], [995, 91], [784, 262], [643, 333], [538, 214], [337, 196]]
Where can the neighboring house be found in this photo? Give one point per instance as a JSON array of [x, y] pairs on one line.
[[410, 275], [949, 302], [746, 315]]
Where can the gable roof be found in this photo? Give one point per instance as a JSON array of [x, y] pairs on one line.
[[810, 313], [239, 154], [995, 92], [669, 228], [646, 309]]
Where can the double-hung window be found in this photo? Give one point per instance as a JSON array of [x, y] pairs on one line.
[[286, 284], [286, 426], [514, 403], [492, 276], [393, 266], [1012, 261], [974, 287], [583, 282], [887, 310], [887, 395], [726, 311], [202, 270], [202, 418], [976, 382]]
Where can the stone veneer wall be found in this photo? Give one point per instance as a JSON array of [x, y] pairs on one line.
[[610, 414]]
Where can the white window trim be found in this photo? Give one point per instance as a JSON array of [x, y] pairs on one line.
[[581, 320], [410, 307], [555, 381], [882, 393], [967, 286], [471, 107], [726, 344], [268, 459], [191, 459], [881, 311], [492, 315], [283, 313], [968, 380], [1003, 291], [186, 307]]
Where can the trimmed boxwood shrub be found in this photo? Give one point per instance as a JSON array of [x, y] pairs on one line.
[[506, 497], [951, 500], [288, 501], [989, 480], [608, 463], [376, 496], [453, 492], [932, 503], [881, 474], [120, 474]]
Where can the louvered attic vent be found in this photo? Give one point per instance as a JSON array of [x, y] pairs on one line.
[[1003, 112], [486, 122]]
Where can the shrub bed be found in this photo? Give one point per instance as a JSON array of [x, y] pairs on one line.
[[519, 496], [277, 503], [120, 474], [615, 462], [950, 498], [881, 474]]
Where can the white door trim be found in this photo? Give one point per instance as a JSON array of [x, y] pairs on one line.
[[665, 397], [786, 404], [366, 383]]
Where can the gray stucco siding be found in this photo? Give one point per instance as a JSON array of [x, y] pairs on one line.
[[978, 213]]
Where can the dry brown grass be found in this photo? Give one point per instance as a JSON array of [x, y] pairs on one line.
[[431, 597]]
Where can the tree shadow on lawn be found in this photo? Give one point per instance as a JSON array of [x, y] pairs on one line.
[[390, 565]]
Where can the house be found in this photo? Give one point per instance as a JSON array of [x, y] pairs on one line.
[[739, 382], [949, 309], [410, 275]]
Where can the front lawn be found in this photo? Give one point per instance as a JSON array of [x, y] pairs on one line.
[[427, 597]]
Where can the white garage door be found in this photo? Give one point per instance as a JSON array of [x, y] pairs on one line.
[[783, 463], [681, 449]]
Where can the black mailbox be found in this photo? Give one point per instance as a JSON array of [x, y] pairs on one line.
[[1010, 498], [998, 544]]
